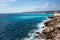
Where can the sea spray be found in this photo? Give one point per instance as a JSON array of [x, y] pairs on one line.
[[40, 28]]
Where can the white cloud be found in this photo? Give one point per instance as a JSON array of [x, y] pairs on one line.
[[42, 7], [45, 5], [5, 7], [8, 0], [16, 10]]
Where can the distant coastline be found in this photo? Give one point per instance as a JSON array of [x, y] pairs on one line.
[[43, 12], [54, 11]]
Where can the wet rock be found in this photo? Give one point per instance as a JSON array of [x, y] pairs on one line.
[[50, 17], [37, 32]]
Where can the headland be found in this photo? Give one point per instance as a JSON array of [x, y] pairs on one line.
[[52, 30]]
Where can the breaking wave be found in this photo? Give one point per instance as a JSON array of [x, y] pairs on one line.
[[40, 28]]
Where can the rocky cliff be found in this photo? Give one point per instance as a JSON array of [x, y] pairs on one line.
[[52, 30]]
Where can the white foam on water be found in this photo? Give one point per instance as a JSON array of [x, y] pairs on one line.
[[40, 28], [41, 25]]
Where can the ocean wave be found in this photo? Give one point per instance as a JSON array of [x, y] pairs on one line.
[[40, 28]]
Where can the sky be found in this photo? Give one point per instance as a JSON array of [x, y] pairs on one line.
[[16, 6]]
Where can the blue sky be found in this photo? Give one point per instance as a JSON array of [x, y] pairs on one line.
[[15, 6]]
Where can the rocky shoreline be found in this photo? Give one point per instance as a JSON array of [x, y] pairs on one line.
[[52, 30]]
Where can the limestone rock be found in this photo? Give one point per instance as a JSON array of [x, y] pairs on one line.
[[52, 30]]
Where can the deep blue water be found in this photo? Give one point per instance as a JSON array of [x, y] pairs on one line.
[[16, 27]]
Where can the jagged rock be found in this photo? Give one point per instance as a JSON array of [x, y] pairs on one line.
[[37, 32], [40, 36], [50, 17], [52, 30], [57, 37], [48, 29]]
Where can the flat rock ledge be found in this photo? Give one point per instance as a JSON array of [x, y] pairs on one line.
[[52, 30]]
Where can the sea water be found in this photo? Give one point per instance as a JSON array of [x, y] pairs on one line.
[[21, 26]]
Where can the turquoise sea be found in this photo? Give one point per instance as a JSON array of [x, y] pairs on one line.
[[21, 26]]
